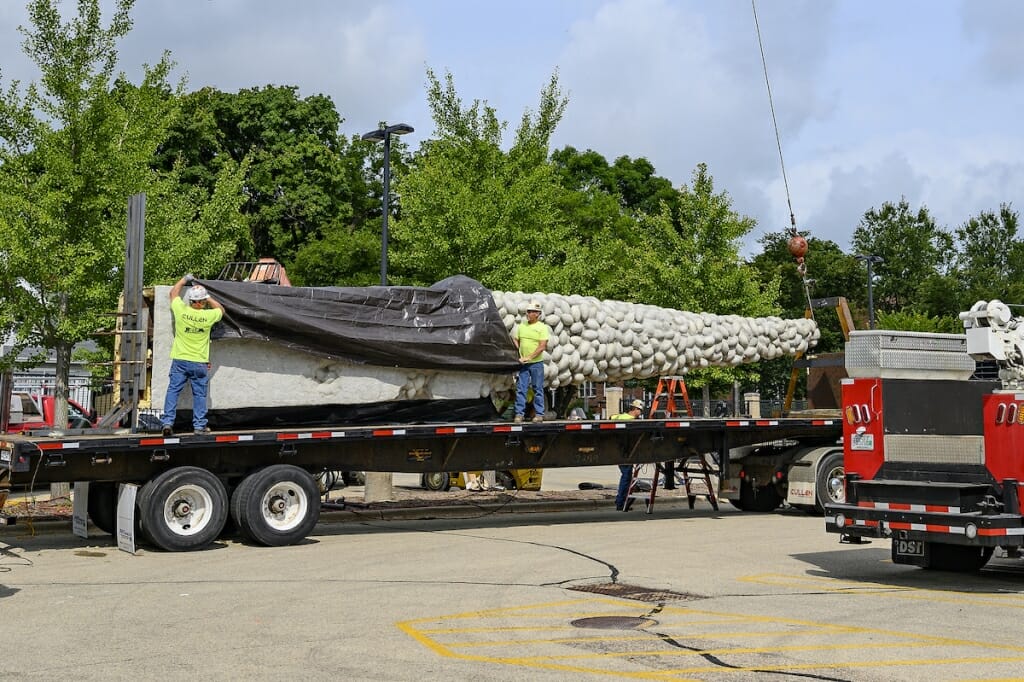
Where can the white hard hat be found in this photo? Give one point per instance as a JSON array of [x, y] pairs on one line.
[[197, 293], [638, 404], [534, 305]]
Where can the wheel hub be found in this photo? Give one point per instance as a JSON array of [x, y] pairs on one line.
[[277, 504], [182, 508]]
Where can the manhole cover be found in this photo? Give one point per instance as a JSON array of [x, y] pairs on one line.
[[614, 623], [636, 592]]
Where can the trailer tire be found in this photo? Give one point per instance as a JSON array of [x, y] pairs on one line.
[[958, 558], [276, 506], [830, 487], [103, 505], [436, 480], [183, 509]]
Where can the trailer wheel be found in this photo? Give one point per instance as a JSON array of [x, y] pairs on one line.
[[830, 487], [103, 505], [958, 558], [276, 506], [436, 480], [183, 509]]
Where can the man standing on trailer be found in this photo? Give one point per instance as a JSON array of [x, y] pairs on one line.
[[531, 338], [190, 353]]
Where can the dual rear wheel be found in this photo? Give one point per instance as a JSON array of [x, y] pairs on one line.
[[187, 508]]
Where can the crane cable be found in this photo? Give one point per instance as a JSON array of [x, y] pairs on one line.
[[797, 243]]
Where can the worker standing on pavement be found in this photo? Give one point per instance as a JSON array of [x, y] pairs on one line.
[[190, 353], [531, 338], [636, 408]]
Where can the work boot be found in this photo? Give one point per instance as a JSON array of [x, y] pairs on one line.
[[538, 418], [518, 419], [205, 431]]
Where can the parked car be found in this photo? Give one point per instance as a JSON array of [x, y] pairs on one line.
[[30, 412]]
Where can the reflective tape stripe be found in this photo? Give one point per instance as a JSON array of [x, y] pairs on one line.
[[990, 532], [232, 439], [902, 506]]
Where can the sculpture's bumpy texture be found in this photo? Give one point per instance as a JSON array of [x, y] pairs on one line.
[[594, 340]]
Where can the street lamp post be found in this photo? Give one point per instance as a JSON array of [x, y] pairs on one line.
[[384, 134], [870, 260], [378, 483]]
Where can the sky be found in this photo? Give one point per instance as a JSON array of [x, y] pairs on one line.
[[875, 100]]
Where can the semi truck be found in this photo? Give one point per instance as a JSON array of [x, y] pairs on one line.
[[932, 451], [258, 466]]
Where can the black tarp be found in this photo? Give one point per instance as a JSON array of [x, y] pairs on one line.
[[394, 412], [453, 324]]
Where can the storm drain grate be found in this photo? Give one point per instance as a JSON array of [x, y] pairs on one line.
[[636, 592]]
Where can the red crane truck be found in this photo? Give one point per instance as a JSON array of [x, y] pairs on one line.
[[932, 454]]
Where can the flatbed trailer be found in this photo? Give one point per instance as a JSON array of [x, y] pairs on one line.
[[189, 485]]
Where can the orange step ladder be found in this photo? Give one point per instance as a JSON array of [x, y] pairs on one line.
[[671, 388]]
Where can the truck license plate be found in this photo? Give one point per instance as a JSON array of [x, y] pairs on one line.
[[862, 441], [909, 547]]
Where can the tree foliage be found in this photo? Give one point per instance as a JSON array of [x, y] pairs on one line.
[[990, 258], [469, 207], [915, 250], [305, 181], [73, 148]]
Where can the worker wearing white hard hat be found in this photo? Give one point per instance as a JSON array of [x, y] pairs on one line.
[[531, 338], [636, 408], [190, 352]]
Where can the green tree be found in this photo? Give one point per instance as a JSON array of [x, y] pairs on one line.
[[915, 252], [989, 260], [73, 148], [469, 207], [305, 181]]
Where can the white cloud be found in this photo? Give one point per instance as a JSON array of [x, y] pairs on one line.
[[995, 27]]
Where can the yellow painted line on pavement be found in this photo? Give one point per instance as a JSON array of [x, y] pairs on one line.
[[624, 663]]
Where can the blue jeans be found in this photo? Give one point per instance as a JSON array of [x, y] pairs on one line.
[[531, 374], [194, 373], [625, 476]]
